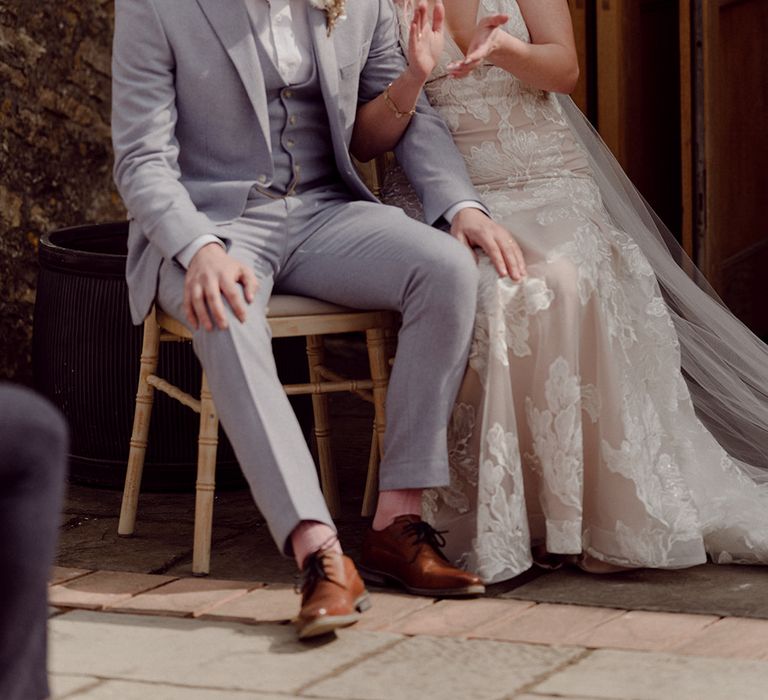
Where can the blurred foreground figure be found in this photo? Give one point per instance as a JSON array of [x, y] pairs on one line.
[[33, 448]]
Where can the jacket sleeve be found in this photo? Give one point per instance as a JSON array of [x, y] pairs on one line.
[[426, 150], [144, 117]]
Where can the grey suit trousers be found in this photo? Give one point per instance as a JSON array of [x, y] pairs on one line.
[[354, 253]]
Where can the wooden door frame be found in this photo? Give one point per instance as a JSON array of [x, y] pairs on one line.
[[687, 126], [611, 67]]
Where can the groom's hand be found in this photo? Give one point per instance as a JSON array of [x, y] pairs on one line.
[[477, 230], [211, 273]]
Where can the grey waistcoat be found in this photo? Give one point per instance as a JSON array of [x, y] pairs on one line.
[[302, 151]]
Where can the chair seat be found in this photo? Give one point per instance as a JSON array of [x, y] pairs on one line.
[[291, 315], [293, 305]]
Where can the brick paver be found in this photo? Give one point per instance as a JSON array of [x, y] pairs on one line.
[[732, 637], [273, 603], [644, 631], [390, 609], [185, 597], [100, 589], [457, 618], [547, 623], [62, 574]]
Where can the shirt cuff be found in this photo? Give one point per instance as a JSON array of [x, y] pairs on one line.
[[464, 204], [185, 255]]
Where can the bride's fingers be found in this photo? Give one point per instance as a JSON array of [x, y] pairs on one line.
[[423, 15], [438, 16], [476, 52], [477, 55], [462, 69], [417, 24], [495, 21]]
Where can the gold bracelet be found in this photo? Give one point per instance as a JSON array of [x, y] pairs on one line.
[[391, 104]]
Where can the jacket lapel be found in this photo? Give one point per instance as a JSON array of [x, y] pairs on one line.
[[229, 20], [328, 71]]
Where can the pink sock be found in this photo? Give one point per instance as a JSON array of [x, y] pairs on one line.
[[309, 536], [394, 503]]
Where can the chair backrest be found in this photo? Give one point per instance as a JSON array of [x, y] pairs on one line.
[[372, 172]]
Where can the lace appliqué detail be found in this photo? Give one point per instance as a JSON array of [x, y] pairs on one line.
[[504, 312], [556, 433]]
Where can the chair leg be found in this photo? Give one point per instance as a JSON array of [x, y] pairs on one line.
[[206, 481], [376, 339], [141, 417], [328, 482]]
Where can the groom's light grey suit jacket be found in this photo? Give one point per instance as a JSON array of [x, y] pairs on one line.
[[190, 122]]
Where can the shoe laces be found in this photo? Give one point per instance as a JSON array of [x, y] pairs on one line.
[[313, 572], [424, 533]]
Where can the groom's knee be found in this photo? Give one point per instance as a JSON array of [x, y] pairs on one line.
[[453, 276], [448, 290]]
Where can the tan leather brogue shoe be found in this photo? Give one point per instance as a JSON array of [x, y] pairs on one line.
[[408, 553], [332, 594]]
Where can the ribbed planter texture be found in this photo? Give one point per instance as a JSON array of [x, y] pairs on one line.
[[86, 360]]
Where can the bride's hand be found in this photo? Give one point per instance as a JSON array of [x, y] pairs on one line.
[[485, 40], [425, 42]]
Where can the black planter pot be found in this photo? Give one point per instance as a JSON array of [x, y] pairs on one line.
[[85, 353]]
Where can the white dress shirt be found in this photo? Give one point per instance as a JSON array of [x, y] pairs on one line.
[[282, 28]]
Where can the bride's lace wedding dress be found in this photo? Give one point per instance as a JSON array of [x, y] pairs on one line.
[[574, 430]]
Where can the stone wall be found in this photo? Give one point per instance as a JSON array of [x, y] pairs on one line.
[[55, 157]]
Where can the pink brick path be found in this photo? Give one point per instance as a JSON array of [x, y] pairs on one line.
[[488, 618]]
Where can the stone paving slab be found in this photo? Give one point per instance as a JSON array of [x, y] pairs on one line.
[[101, 589], [627, 675], [215, 655], [536, 696], [727, 591], [555, 697], [186, 597], [126, 690], [449, 669], [65, 686]]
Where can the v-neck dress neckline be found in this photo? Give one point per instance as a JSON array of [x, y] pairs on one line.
[[449, 36]]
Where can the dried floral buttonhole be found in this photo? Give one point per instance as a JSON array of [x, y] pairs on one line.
[[334, 11]]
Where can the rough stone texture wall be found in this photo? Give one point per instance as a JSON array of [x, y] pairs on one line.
[[55, 156]]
